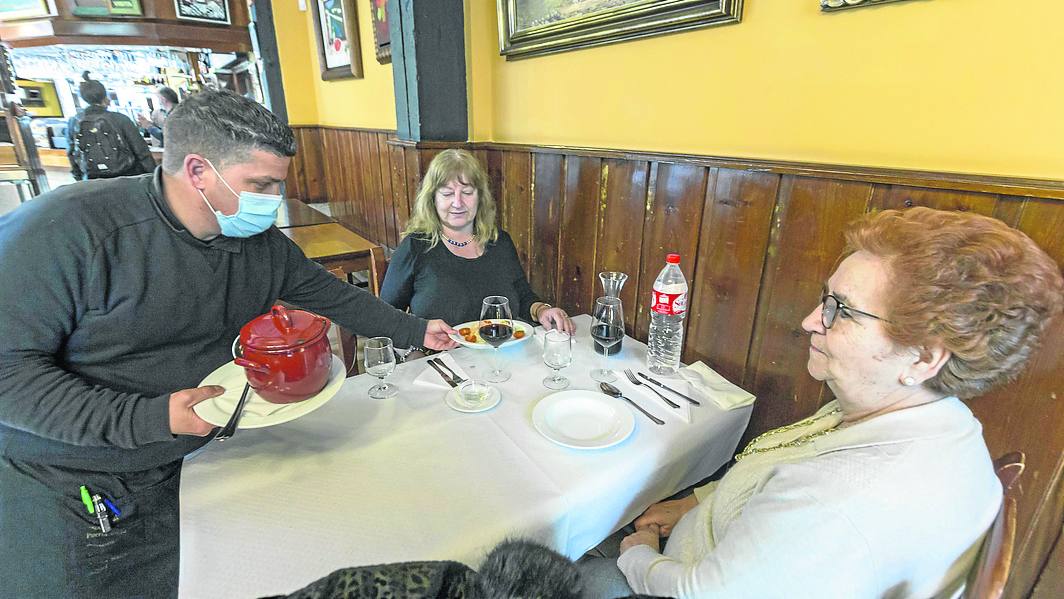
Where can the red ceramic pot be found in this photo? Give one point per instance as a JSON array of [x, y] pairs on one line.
[[285, 354]]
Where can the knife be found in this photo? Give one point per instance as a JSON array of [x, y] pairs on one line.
[[647, 378], [443, 375]]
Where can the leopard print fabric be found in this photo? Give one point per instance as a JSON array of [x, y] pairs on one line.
[[409, 580]]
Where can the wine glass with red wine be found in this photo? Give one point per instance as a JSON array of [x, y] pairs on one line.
[[607, 329], [496, 328]]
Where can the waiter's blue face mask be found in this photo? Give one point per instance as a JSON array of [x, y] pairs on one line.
[[255, 212]]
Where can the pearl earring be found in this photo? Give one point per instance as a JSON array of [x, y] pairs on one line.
[[909, 381]]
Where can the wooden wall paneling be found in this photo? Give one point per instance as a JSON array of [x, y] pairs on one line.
[[1009, 209], [400, 194], [412, 158], [346, 178], [359, 197], [806, 240], [331, 150], [516, 202], [293, 183], [427, 154], [623, 203], [355, 193], [673, 216], [900, 197], [548, 174], [731, 257], [492, 163], [384, 170], [1009, 416], [371, 177], [313, 165], [340, 198], [577, 278]]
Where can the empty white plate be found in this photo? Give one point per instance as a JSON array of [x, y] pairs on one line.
[[583, 419]]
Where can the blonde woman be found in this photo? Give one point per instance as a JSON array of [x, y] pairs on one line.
[[453, 254]]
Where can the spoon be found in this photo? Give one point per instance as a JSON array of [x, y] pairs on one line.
[[609, 389]]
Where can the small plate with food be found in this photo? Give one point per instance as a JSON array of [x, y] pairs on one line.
[[484, 334]]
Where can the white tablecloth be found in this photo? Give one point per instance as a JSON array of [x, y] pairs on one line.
[[363, 481]]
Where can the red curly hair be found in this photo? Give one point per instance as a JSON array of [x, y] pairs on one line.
[[984, 291]]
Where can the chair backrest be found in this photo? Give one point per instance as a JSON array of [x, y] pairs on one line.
[[991, 571], [377, 268]]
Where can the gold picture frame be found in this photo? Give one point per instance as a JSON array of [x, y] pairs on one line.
[[530, 28], [834, 5]]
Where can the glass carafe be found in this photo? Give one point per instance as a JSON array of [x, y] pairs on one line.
[[612, 282]]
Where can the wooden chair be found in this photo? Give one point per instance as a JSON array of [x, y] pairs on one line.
[[991, 571], [348, 340]]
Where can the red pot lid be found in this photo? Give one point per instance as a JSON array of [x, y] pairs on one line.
[[283, 329]]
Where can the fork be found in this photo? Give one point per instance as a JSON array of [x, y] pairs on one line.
[[454, 375], [631, 377], [230, 427]]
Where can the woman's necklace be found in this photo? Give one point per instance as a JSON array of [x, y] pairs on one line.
[[457, 244], [750, 449]]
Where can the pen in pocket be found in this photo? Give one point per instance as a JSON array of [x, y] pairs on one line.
[[101, 514]]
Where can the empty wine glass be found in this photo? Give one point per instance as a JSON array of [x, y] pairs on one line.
[[607, 329], [557, 354], [496, 328], [380, 362]]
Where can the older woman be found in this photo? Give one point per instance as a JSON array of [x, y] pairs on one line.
[[887, 490], [454, 255]]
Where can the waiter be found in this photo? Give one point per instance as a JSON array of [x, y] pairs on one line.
[[118, 296]]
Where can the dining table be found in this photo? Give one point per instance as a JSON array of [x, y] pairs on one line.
[[359, 481], [295, 213]]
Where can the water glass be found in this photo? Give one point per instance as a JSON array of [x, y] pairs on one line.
[[557, 354], [380, 362], [473, 394]]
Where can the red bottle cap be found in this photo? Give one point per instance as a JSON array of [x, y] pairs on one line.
[[672, 258]]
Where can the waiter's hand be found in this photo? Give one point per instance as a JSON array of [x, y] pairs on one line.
[[436, 335], [183, 419]]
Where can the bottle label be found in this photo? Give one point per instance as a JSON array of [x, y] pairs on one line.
[[672, 304]]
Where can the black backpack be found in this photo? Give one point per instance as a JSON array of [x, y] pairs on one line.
[[102, 151]]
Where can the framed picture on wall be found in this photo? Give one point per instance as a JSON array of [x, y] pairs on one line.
[[107, 8], [831, 5], [535, 27], [39, 98], [336, 28], [12, 10], [208, 11], [382, 40]]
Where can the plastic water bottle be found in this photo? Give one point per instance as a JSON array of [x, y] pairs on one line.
[[666, 318]]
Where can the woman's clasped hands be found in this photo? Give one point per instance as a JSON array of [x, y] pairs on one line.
[[657, 521]]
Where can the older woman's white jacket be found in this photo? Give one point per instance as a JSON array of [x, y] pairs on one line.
[[892, 507]]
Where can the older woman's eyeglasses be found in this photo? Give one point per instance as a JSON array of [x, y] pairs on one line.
[[833, 306]]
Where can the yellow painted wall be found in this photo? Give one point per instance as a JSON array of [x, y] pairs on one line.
[[366, 103], [971, 86]]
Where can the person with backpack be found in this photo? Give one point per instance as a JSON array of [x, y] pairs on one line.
[[104, 144]]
